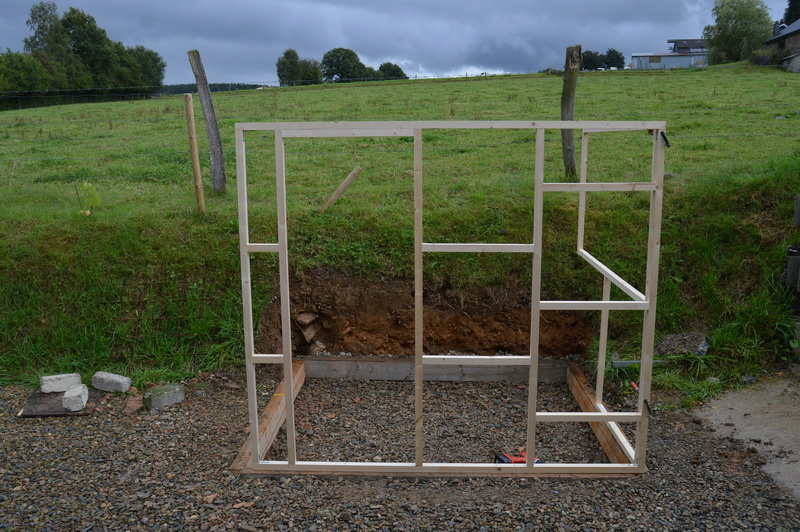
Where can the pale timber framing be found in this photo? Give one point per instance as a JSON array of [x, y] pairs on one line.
[[625, 457]]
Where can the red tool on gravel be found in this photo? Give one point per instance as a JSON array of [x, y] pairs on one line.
[[505, 458]]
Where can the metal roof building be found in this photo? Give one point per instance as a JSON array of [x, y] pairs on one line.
[[683, 53]]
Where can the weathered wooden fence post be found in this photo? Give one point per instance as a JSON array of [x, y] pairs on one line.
[[212, 129], [571, 68]]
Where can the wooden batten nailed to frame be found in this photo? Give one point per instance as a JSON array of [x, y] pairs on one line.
[[625, 457]]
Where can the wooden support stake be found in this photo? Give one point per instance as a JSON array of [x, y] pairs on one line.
[[339, 191], [270, 420], [212, 129], [198, 178], [585, 396], [571, 68]]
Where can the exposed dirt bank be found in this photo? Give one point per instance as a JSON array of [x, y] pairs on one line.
[[377, 317]]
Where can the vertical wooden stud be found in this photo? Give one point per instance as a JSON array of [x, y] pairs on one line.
[[536, 295], [419, 435]]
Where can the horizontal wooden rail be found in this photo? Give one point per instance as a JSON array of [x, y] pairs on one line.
[[594, 305], [262, 248], [436, 469], [323, 129], [267, 359], [599, 187], [477, 248]]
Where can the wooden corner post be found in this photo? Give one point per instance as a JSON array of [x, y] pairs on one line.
[[212, 129], [572, 66]]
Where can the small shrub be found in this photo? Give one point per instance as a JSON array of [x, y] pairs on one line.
[[767, 56]]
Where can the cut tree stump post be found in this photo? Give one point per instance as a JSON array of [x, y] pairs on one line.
[[212, 129], [198, 178], [572, 66]]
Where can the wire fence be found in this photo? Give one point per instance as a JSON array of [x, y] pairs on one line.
[[149, 142]]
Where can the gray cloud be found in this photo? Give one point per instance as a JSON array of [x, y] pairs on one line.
[[240, 40]]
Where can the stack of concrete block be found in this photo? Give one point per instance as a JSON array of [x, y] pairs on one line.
[[75, 393], [75, 398], [59, 383]]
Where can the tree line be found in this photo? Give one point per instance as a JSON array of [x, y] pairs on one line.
[[611, 59], [70, 55], [339, 65]]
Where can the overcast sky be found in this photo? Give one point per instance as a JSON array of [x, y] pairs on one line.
[[240, 40]]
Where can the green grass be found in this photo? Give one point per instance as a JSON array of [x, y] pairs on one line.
[[67, 280]]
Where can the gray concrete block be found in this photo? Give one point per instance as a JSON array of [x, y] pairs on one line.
[[59, 383], [110, 382], [75, 398], [161, 396]]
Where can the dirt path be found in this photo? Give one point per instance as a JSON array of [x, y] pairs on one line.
[[766, 416]]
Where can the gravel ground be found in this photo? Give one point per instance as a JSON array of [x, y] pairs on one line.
[[168, 470]]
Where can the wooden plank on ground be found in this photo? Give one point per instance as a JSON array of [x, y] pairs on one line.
[[271, 418], [49, 404], [585, 396], [402, 369]]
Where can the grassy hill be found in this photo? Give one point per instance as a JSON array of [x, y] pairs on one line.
[[79, 293]]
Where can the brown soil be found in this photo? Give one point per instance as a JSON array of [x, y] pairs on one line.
[[377, 317]]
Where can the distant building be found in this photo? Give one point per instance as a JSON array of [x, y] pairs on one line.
[[786, 39], [683, 53]]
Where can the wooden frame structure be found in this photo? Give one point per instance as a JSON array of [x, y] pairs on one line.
[[628, 459]]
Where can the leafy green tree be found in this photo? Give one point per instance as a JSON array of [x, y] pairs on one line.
[[49, 44], [151, 65], [45, 24], [614, 59], [391, 71], [370, 74], [740, 27], [342, 65], [22, 72], [295, 71], [792, 12], [92, 46], [126, 72], [288, 67], [78, 54], [593, 60], [310, 72]]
